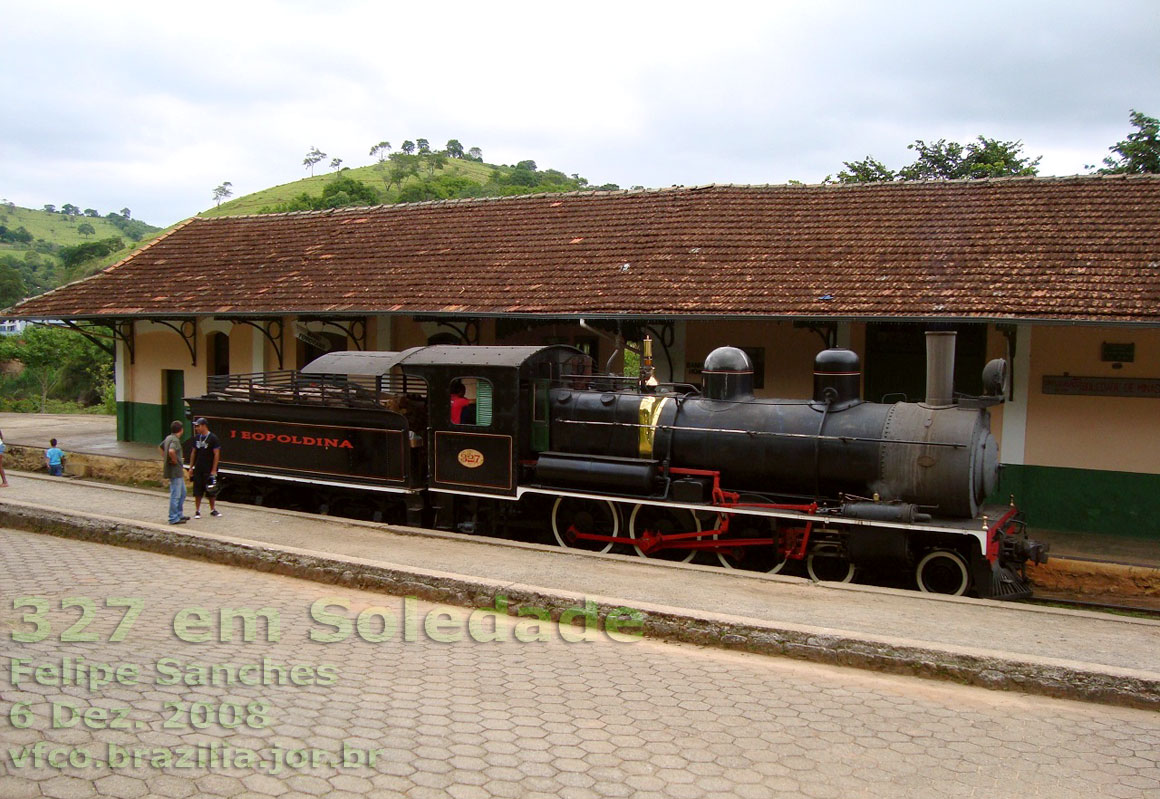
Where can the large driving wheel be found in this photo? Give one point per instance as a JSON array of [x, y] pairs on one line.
[[752, 558], [573, 515], [943, 572], [666, 521]]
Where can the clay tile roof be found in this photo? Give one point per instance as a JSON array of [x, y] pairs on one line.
[[1083, 248]]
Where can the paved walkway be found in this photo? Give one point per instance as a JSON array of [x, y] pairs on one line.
[[510, 710], [93, 434], [1060, 652]]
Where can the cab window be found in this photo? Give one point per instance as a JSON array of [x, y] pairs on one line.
[[471, 401]]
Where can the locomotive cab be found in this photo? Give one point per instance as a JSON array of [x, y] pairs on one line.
[[477, 438]]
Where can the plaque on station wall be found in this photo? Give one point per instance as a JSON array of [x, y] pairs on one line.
[[1102, 386], [1117, 353]]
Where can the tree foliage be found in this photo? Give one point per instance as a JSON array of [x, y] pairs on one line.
[[313, 157], [18, 236], [381, 150], [75, 256], [57, 364], [133, 229], [1139, 153], [943, 160], [868, 170], [338, 193], [222, 192], [11, 284]]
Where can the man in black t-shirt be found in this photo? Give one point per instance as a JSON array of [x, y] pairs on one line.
[[203, 463]]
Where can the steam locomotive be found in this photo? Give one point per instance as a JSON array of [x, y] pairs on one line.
[[506, 440]]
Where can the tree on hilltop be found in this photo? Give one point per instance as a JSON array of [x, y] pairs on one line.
[[407, 147], [423, 146], [313, 157], [222, 192], [335, 163], [454, 148], [382, 149]]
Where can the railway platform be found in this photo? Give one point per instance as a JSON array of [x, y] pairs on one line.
[[1039, 650]]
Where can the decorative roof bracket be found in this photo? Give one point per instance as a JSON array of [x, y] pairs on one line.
[[187, 331], [828, 331], [106, 341], [468, 334], [354, 329], [271, 329], [119, 330]]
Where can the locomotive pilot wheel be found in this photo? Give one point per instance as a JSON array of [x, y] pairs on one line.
[[665, 521], [572, 516], [943, 572], [829, 568]]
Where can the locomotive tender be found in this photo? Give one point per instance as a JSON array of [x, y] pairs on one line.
[[831, 482]]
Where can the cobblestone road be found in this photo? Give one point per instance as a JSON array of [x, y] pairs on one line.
[[399, 708]]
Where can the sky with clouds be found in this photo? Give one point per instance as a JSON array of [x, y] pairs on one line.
[[151, 105]]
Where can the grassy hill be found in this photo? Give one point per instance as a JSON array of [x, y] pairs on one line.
[[371, 175], [403, 178], [60, 229], [40, 250]]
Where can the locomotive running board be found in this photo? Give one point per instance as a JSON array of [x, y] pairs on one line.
[[314, 481], [797, 516]]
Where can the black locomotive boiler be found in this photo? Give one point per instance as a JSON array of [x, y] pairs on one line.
[[498, 440]]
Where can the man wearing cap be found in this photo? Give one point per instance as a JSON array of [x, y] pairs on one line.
[[203, 463]]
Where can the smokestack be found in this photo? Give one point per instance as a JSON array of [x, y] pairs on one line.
[[940, 367]]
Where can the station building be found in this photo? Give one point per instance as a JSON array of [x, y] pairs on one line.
[[1061, 276]]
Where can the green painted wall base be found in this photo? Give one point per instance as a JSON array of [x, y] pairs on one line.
[[142, 422], [1084, 500]]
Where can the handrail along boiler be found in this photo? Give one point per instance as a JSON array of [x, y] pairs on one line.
[[832, 482]]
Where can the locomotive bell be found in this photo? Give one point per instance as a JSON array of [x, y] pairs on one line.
[[728, 374], [837, 377]]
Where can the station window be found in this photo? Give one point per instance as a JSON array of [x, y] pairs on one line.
[[471, 401]]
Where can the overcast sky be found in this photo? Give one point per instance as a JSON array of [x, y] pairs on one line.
[[151, 105]]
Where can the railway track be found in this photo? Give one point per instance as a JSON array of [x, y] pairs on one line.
[[1136, 611]]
